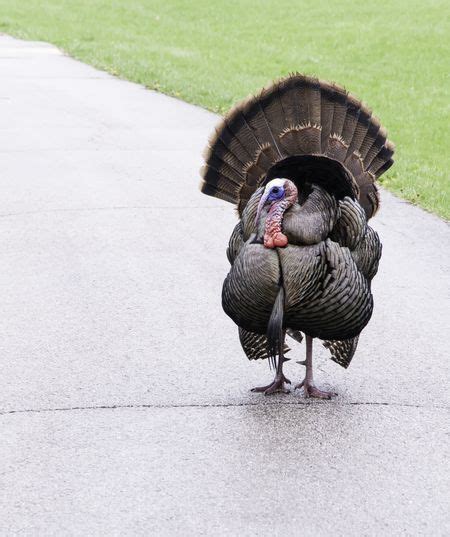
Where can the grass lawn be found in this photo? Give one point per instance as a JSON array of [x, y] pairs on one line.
[[394, 55]]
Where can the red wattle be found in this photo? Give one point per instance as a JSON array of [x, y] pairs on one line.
[[268, 241], [277, 240], [280, 240]]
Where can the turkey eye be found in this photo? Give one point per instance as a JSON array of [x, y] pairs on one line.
[[275, 190]]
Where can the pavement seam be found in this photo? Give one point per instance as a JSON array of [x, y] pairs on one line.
[[299, 404]]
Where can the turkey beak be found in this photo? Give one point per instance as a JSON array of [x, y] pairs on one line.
[[261, 204]]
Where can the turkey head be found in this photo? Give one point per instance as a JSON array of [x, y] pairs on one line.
[[278, 196]]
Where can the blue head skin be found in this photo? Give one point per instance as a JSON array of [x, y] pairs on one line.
[[279, 195], [275, 193]]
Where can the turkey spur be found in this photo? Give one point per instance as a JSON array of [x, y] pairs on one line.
[[299, 160]]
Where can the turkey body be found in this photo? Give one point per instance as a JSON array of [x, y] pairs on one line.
[[325, 270], [299, 161]]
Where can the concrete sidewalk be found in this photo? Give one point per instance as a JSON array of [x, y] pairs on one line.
[[124, 395]]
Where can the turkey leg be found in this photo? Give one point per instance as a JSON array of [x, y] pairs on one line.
[[307, 383], [279, 380]]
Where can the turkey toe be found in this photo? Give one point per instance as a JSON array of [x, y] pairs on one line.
[[310, 390], [277, 386]]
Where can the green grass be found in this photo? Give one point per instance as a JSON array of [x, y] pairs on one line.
[[393, 55]]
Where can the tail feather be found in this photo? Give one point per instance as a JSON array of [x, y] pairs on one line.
[[387, 164], [217, 192], [217, 163], [294, 118], [239, 126], [340, 111], [361, 128], [259, 123], [370, 138], [225, 137], [221, 181], [313, 99], [225, 154], [377, 147], [271, 103], [351, 118], [327, 113], [308, 101], [380, 160], [290, 102]]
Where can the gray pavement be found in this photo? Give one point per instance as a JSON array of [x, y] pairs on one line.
[[124, 396]]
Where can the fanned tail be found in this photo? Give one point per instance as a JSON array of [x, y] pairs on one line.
[[304, 129]]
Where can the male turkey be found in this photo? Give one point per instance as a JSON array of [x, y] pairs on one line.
[[300, 161]]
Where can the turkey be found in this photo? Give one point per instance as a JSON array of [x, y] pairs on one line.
[[299, 161]]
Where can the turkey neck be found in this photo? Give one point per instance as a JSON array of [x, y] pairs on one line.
[[274, 222], [273, 226]]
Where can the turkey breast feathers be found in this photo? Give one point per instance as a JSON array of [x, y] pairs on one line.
[[325, 270]]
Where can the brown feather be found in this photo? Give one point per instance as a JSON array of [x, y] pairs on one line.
[[298, 116]]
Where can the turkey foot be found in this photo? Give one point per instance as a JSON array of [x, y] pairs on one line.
[[307, 383], [310, 390], [277, 386]]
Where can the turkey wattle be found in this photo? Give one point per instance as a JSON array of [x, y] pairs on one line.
[[300, 161]]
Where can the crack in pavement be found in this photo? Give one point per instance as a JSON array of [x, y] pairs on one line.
[[298, 404]]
